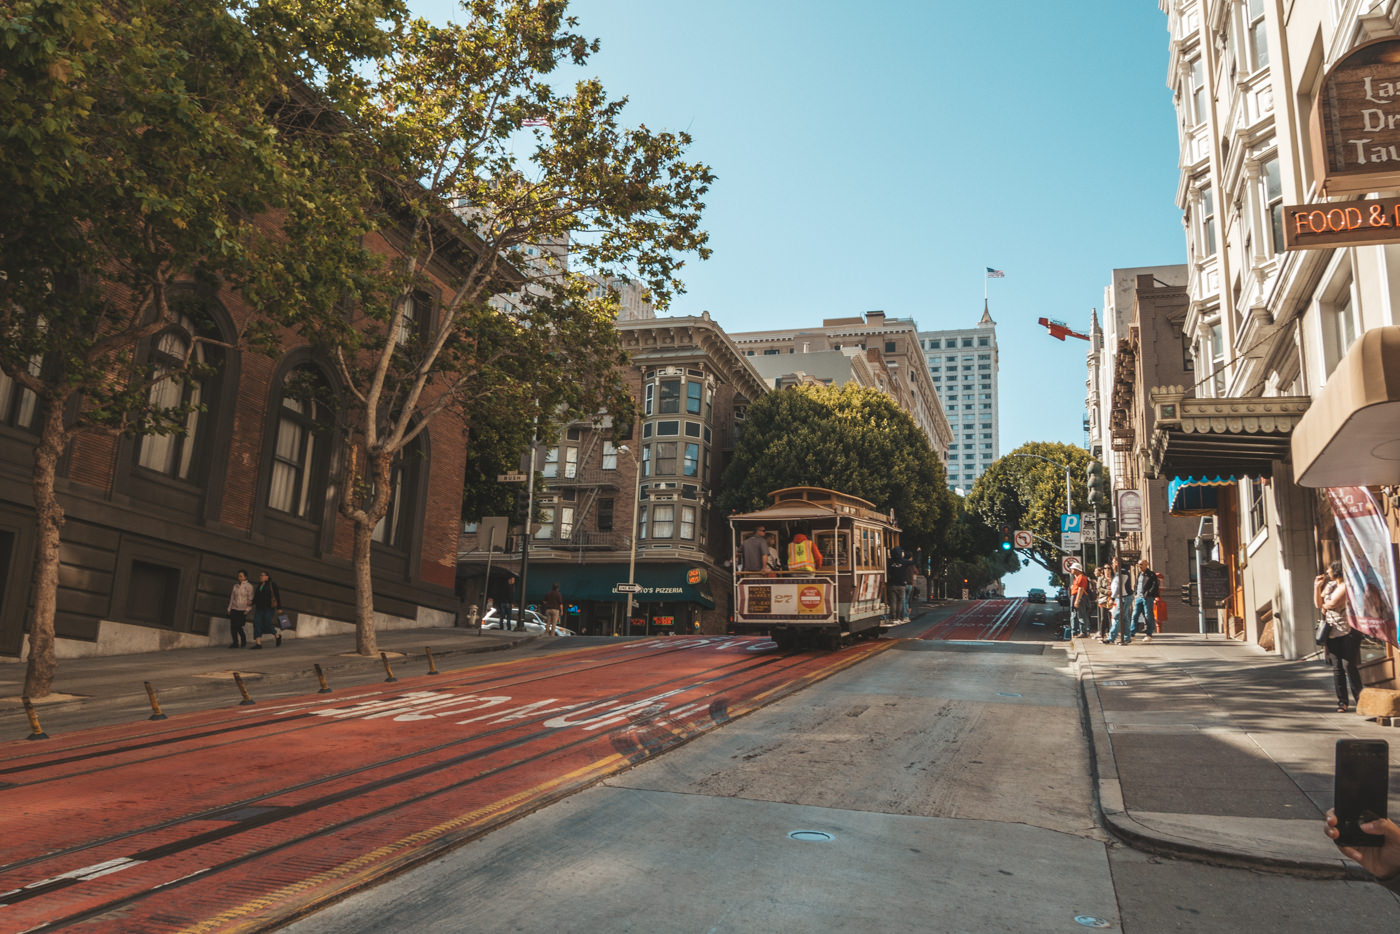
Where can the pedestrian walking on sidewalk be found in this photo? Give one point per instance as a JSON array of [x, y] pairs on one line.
[[240, 601], [1342, 643], [553, 607], [1145, 595], [1120, 604], [266, 602], [1104, 585]]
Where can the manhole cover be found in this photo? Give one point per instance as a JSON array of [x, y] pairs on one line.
[[810, 836]]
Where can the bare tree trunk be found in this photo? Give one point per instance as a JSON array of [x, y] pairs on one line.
[[48, 516], [379, 467], [365, 641]]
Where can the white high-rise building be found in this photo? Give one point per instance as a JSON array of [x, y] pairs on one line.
[[963, 366]]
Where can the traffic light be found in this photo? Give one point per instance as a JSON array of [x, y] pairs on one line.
[[1098, 486], [522, 509], [1006, 538]]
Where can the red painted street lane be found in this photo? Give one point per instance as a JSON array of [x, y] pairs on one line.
[[240, 819], [981, 620]]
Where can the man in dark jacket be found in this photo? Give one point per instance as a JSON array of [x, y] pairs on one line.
[[1144, 596], [266, 602]]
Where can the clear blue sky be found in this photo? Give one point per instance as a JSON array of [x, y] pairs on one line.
[[882, 155]]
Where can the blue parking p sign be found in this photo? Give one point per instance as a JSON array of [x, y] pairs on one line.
[[1069, 522]]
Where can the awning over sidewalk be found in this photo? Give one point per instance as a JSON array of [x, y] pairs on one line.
[[660, 583], [1351, 435], [1191, 496], [1240, 436]]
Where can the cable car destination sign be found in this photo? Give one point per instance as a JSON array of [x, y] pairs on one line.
[[1356, 141]]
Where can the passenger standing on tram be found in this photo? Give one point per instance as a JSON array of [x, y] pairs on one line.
[[803, 554], [756, 551]]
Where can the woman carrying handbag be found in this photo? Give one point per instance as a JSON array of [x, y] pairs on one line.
[[1342, 643]]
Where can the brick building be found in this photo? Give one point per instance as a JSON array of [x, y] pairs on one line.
[[158, 526]]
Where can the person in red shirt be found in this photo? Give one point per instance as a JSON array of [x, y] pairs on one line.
[[1081, 603]]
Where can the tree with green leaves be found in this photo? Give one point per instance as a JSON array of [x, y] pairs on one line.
[[1026, 490], [850, 438], [138, 155], [465, 156], [970, 552]]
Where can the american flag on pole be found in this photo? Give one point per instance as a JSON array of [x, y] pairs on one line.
[[535, 121], [995, 273]]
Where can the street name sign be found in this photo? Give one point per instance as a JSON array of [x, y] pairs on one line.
[[512, 477]]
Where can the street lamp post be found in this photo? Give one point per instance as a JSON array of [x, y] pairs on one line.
[[632, 555]]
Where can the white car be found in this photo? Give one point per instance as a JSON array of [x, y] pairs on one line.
[[533, 622]]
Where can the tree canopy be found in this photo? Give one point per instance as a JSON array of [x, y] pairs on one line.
[[852, 439], [1026, 490]]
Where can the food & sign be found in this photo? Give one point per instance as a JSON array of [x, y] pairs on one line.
[[1341, 223]]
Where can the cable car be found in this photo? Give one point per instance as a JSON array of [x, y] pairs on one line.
[[802, 601]]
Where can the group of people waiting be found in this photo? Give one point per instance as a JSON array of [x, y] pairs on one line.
[[1122, 604]]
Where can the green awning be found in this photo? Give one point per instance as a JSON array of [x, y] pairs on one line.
[[660, 583]]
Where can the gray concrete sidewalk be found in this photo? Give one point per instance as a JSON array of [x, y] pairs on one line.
[[111, 688], [1211, 749]]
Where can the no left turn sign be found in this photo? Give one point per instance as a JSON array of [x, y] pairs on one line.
[[1067, 561]]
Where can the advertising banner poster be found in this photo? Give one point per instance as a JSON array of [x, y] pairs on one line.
[[786, 600], [1368, 561]]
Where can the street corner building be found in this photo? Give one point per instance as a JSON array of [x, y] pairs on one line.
[[638, 509]]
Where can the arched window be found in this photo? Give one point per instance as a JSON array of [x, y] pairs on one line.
[[173, 454], [301, 445]]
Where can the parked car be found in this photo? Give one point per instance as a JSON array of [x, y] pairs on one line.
[[1062, 597], [533, 622], [1035, 595]]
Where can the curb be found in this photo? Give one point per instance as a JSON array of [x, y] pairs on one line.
[[1118, 820], [208, 687]]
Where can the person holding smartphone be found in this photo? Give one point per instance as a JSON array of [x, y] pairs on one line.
[[1343, 644], [1382, 861]]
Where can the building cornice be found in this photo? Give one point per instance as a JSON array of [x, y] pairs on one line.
[[657, 340]]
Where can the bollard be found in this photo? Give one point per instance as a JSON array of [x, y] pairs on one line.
[[387, 670], [432, 666], [238, 680], [321, 677], [35, 731], [155, 703]]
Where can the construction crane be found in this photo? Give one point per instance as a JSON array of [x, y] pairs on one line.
[[1059, 330]]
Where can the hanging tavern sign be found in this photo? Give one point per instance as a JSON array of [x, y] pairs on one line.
[[1358, 120]]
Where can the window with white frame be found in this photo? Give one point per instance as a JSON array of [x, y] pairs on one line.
[[1339, 323], [1196, 93], [1254, 488], [1256, 41], [551, 463], [688, 522], [1273, 203], [609, 456], [1206, 234], [545, 515], [1217, 358], [663, 520]]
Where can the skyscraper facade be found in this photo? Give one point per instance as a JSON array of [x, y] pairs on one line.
[[963, 366]]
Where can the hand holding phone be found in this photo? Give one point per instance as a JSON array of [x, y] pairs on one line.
[[1362, 789]]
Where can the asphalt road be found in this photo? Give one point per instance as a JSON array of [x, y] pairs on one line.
[[943, 785]]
